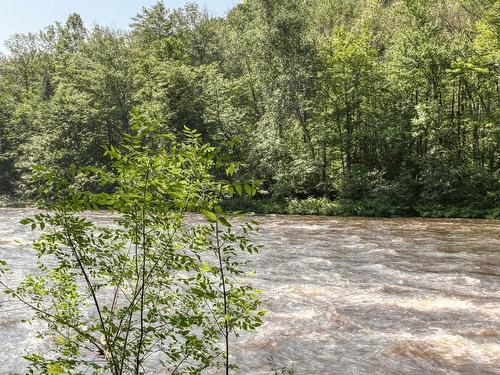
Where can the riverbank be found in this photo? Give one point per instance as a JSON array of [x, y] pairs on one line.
[[326, 207], [13, 202], [367, 208]]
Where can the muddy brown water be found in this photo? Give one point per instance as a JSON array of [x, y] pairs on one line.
[[344, 295]]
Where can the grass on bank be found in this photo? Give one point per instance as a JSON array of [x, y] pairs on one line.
[[326, 207], [369, 208]]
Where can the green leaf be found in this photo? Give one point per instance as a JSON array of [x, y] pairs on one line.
[[205, 267], [248, 189], [55, 368], [210, 216], [238, 188], [231, 169], [255, 187], [198, 292], [224, 222]]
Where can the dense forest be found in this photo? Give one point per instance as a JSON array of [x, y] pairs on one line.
[[384, 107]]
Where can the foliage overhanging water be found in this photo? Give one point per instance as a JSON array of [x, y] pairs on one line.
[[345, 296]]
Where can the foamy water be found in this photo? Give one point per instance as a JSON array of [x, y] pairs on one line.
[[345, 296]]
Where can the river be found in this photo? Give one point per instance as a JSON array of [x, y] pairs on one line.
[[345, 296]]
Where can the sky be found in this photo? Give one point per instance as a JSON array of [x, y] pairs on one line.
[[22, 16]]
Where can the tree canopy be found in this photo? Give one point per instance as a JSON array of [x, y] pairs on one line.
[[395, 102]]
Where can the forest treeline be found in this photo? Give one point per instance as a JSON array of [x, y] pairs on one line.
[[370, 102]]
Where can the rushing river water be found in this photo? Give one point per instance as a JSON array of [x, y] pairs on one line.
[[345, 296]]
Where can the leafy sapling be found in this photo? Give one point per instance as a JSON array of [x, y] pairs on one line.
[[151, 287]]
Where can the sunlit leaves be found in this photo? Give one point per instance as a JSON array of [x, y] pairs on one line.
[[146, 281]]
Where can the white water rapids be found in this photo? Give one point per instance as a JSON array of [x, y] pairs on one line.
[[344, 295]]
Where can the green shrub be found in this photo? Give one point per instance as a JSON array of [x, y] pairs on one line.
[[149, 289]]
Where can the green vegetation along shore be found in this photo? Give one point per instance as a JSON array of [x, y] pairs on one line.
[[362, 107], [325, 207], [322, 206]]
